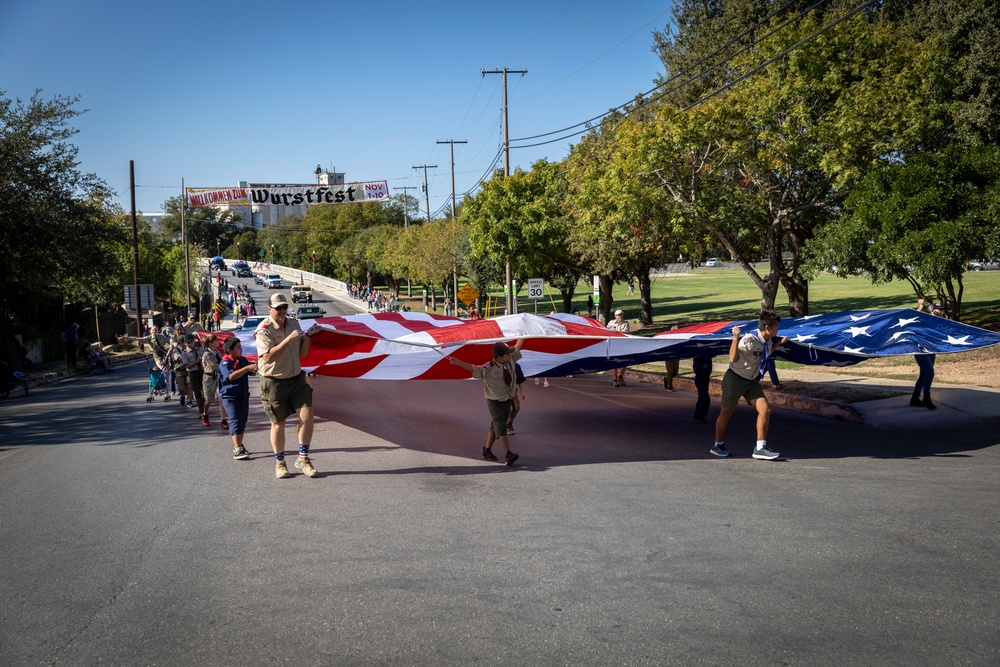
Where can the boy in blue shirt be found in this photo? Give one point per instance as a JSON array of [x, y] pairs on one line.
[[234, 391]]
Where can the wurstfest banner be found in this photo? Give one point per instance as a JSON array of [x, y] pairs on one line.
[[290, 195], [215, 196], [299, 195]]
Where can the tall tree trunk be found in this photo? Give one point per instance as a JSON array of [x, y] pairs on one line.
[[645, 301], [567, 300], [797, 289], [607, 299]]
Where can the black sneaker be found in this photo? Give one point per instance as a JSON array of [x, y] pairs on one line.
[[241, 454], [509, 459], [489, 455]]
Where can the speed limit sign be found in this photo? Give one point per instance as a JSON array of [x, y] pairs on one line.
[[536, 288]]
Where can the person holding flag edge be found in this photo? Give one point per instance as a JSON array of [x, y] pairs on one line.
[[748, 357]]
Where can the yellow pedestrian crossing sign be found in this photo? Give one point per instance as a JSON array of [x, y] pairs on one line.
[[467, 295]]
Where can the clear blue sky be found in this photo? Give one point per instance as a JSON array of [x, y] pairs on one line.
[[218, 92]]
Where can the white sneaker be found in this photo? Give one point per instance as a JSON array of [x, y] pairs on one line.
[[765, 454]]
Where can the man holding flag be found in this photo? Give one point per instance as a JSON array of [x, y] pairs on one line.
[[748, 356]]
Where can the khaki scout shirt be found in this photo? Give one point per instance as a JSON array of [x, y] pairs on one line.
[[750, 354], [494, 385], [285, 364]]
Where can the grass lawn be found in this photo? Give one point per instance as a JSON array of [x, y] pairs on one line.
[[706, 295]]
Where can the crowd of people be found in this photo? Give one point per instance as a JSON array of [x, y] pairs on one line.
[[200, 371]]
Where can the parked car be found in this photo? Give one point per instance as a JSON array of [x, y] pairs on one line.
[[309, 312], [713, 262], [984, 265], [272, 281], [250, 323], [302, 293]]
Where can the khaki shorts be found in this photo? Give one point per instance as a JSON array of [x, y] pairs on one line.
[[210, 386], [735, 387], [282, 398], [183, 382], [499, 411]]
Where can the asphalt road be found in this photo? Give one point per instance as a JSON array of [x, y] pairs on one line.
[[129, 536]]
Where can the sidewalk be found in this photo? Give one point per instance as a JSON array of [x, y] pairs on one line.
[[966, 412]]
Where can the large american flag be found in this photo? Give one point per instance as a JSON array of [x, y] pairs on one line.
[[415, 346]]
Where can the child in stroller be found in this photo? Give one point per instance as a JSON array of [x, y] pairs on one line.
[[96, 359]]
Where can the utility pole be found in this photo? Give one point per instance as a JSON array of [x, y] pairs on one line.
[[454, 269], [187, 259], [406, 215], [452, 142], [511, 301], [427, 194], [135, 255]]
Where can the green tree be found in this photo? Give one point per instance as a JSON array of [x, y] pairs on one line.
[[789, 143], [244, 246], [624, 223], [919, 221], [56, 227], [703, 35], [521, 218], [436, 253], [337, 233], [206, 227]]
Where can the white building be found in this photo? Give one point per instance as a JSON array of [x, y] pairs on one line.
[[262, 216]]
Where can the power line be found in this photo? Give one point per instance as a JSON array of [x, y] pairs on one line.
[[544, 28], [680, 74], [574, 29], [569, 76], [784, 53], [599, 30]]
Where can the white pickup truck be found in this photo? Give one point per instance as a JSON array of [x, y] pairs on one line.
[[272, 281]]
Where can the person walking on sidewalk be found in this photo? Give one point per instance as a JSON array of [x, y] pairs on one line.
[[747, 362], [499, 386], [283, 387], [925, 362], [71, 343]]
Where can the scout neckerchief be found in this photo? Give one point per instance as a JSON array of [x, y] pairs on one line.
[[506, 372], [767, 349]]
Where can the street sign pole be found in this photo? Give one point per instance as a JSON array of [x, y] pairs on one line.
[[536, 290]]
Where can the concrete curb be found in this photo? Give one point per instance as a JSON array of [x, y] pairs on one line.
[[48, 377], [778, 399]]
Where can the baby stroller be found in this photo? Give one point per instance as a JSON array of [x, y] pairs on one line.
[[157, 382]]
